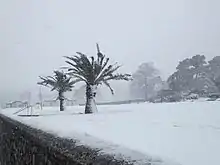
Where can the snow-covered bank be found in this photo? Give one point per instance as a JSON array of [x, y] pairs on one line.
[[187, 133]]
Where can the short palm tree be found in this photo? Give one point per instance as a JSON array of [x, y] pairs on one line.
[[60, 82], [94, 72]]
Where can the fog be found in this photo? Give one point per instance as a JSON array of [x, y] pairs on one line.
[[36, 34]]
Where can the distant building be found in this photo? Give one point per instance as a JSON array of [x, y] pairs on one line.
[[16, 104], [55, 103], [69, 102], [50, 103]]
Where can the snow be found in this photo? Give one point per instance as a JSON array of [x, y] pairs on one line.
[[187, 132]]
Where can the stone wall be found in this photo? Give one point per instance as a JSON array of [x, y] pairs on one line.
[[23, 145]]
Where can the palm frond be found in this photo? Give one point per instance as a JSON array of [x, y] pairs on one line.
[[52, 78], [92, 61], [126, 77], [105, 64], [46, 81], [108, 85], [99, 54], [97, 47], [107, 72], [74, 75], [80, 65], [94, 71], [60, 82]]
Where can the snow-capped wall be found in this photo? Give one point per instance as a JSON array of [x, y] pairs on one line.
[[21, 144]]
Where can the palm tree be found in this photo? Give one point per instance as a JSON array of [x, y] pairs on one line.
[[60, 82], [93, 72]]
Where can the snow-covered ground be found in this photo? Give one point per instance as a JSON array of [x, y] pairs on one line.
[[187, 133]]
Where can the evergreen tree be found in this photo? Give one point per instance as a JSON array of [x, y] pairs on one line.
[[191, 75]]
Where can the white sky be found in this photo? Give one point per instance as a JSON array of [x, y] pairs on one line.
[[35, 34]]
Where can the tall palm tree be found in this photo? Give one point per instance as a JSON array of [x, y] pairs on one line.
[[60, 82], [93, 71]]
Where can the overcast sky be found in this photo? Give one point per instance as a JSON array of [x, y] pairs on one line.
[[35, 34]]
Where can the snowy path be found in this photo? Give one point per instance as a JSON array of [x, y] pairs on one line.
[[188, 133]]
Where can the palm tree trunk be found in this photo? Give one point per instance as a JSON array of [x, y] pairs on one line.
[[90, 99], [61, 98]]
